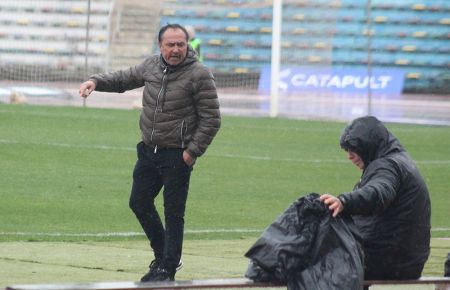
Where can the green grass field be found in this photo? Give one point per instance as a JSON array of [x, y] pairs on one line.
[[66, 176]]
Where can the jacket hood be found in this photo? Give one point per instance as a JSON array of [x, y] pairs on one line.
[[191, 57], [370, 139]]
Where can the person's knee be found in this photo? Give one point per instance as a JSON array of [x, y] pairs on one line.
[[136, 206], [174, 211]]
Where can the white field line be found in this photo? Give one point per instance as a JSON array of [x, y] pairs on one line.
[[136, 234], [251, 157], [127, 234]]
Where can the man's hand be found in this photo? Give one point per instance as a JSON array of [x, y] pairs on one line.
[[333, 203], [86, 88], [188, 159]]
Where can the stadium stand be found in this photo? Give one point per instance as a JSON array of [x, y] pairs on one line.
[[39, 35], [410, 35]]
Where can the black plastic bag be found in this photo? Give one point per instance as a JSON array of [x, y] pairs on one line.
[[306, 248]]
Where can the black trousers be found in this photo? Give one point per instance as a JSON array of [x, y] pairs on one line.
[[154, 170]]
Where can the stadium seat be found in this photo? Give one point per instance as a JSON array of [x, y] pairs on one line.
[[169, 12], [78, 10], [434, 8], [314, 59], [402, 62], [381, 19], [201, 14], [286, 44], [266, 16], [249, 43], [414, 20], [419, 7], [232, 29], [298, 17], [401, 34], [299, 30], [414, 75], [445, 21], [321, 45], [216, 42], [241, 70], [347, 18], [212, 56], [409, 48], [419, 34], [391, 47], [23, 21], [233, 15], [72, 23], [246, 57]]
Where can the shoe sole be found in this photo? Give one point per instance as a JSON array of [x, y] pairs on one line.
[[180, 265]]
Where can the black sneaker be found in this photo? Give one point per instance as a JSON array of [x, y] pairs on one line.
[[151, 272], [163, 274], [157, 273]]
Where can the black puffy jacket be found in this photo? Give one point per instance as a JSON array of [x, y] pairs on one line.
[[180, 104], [390, 204]]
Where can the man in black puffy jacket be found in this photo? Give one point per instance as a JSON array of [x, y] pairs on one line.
[[390, 204], [179, 119]]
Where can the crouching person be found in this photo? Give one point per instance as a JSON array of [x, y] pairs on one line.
[[390, 204]]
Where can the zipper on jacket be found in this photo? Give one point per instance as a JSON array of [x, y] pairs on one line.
[[182, 133], [163, 87]]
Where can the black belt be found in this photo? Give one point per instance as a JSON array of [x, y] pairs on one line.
[[156, 148]]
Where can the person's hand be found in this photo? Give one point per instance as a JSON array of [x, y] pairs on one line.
[[86, 88], [188, 159], [333, 203]]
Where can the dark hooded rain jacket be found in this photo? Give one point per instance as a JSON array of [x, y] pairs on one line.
[[390, 205]]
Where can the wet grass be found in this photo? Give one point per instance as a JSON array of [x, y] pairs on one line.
[[65, 180]]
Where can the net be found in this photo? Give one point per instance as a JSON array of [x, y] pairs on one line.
[[338, 59]]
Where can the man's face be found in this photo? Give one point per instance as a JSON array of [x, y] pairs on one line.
[[355, 159], [173, 46]]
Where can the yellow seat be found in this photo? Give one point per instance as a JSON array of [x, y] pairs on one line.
[[409, 48], [419, 34], [232, 29], [169, 12], [381, 19], [320, 45], [299, 31], [78, 10], [298, 17], [241, 70], [286, 44], [233, 15], [445, 21], [215, 42], [314, 58], [245, 57], [49, 50], [23, 21], [402, 62], [72, 23], [414, 75], [418, 6]]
